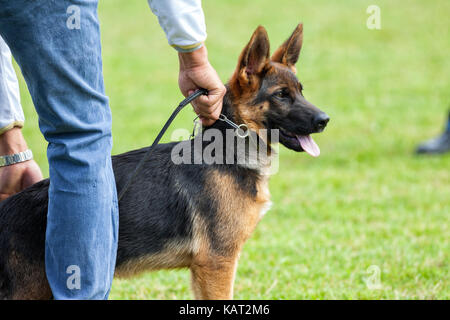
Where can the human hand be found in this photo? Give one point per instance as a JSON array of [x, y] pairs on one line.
[[16, 177], [196, 72]]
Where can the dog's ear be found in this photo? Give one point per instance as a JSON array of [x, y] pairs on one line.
[[253, 59], [289, 51]]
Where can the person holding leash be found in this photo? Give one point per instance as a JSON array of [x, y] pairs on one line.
[[57, 46]]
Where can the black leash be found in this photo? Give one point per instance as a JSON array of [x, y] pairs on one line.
[[146, 156]]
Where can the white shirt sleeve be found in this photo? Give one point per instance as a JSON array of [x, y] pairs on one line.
[[183, 22], [11, 113]]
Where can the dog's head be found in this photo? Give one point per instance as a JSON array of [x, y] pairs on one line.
[[266, 93]]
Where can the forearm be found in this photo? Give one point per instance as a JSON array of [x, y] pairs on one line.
[[183, 22], [18, 176], [12, 141], [11, 114], [193, 59]]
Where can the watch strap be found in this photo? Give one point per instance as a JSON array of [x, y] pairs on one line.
[[16, 158]]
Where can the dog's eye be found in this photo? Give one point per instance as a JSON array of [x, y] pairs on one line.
[[281, 94]]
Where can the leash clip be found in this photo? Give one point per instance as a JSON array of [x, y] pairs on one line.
[[239, 131]]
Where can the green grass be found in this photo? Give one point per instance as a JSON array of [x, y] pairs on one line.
[[367, 200]]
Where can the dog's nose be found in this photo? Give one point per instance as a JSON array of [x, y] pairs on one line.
[[320, 121]]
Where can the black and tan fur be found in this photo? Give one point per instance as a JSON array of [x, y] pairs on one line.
[[196, 216]]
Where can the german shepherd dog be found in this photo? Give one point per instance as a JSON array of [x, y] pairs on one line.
[[181, 215]]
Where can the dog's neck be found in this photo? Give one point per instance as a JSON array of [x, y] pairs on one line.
[[229, 110]]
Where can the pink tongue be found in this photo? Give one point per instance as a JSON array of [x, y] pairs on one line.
[[309, 145]]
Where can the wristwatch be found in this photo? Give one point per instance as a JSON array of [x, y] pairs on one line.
[[16, 158]]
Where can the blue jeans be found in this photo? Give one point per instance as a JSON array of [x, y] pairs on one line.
[[57, 46]]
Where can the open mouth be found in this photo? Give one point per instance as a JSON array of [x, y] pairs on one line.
[[299, 143]]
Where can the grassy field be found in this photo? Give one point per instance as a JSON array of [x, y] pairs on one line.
[[367, 200]]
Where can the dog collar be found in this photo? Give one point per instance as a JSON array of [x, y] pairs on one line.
[[241, 130]]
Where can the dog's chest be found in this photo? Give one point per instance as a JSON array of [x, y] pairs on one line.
[[240, 204], [263, 197], [257, 206], [254, 209]]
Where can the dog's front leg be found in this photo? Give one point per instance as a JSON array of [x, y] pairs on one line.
[[213, 278]]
